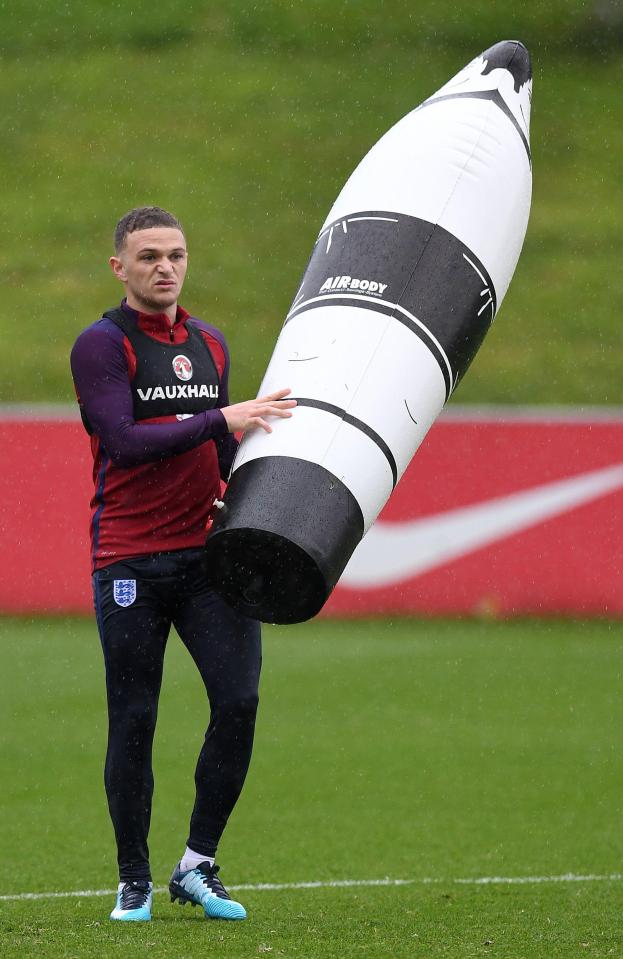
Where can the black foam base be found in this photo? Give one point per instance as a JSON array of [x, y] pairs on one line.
[[286, 533]]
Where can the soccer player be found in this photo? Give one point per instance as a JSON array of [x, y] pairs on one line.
[[151, 382]]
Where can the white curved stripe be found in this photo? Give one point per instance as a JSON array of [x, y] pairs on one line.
[[341, 884], [354, 219], [367, 299], [393, 552], [474, 267]]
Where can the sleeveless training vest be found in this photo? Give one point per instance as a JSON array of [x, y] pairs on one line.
[[171, 378]]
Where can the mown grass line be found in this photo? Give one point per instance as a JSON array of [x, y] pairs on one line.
[[518, 923], [397, 748]]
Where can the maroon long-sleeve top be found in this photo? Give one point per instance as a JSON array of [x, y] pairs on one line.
[[154, 480]]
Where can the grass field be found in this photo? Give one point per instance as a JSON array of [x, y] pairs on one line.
[[405, 762], [402, 750], [246, 119]]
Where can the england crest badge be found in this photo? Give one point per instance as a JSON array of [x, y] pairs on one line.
[[124, 591]]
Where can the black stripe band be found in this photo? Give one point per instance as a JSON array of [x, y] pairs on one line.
[[358, 424], [496, 97], [388, 310]]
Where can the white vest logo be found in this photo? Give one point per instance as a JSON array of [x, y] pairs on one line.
[[182, 367], [179, 391]]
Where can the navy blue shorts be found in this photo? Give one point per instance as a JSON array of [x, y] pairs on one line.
[[136, 603]]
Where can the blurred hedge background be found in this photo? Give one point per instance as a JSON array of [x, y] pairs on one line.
[[245, 119]]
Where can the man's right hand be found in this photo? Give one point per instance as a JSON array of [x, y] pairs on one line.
[[252, 413]]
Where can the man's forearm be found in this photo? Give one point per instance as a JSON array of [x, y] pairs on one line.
[[130, 444]]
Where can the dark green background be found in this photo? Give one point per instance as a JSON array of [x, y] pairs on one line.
[[246, 119]]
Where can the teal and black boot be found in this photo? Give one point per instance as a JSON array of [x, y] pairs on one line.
[[202, 887]]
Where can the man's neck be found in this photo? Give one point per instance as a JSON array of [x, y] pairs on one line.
[[170, 312]]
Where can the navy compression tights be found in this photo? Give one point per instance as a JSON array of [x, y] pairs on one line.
[[171, 589]]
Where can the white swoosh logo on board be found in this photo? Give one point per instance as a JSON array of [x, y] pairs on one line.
[[391, 552]]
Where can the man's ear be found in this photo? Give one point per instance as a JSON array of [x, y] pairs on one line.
[[118, 268]]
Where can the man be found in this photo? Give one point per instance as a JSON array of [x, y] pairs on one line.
[[152, 387]]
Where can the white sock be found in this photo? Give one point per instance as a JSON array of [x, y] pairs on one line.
[[191, 859]]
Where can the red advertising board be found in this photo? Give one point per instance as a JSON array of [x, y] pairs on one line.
[[501, 512], [45, 488]]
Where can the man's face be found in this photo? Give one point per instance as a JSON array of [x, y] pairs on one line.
[[152, 265]]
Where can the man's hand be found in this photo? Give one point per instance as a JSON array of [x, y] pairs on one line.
[[251, 414]]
